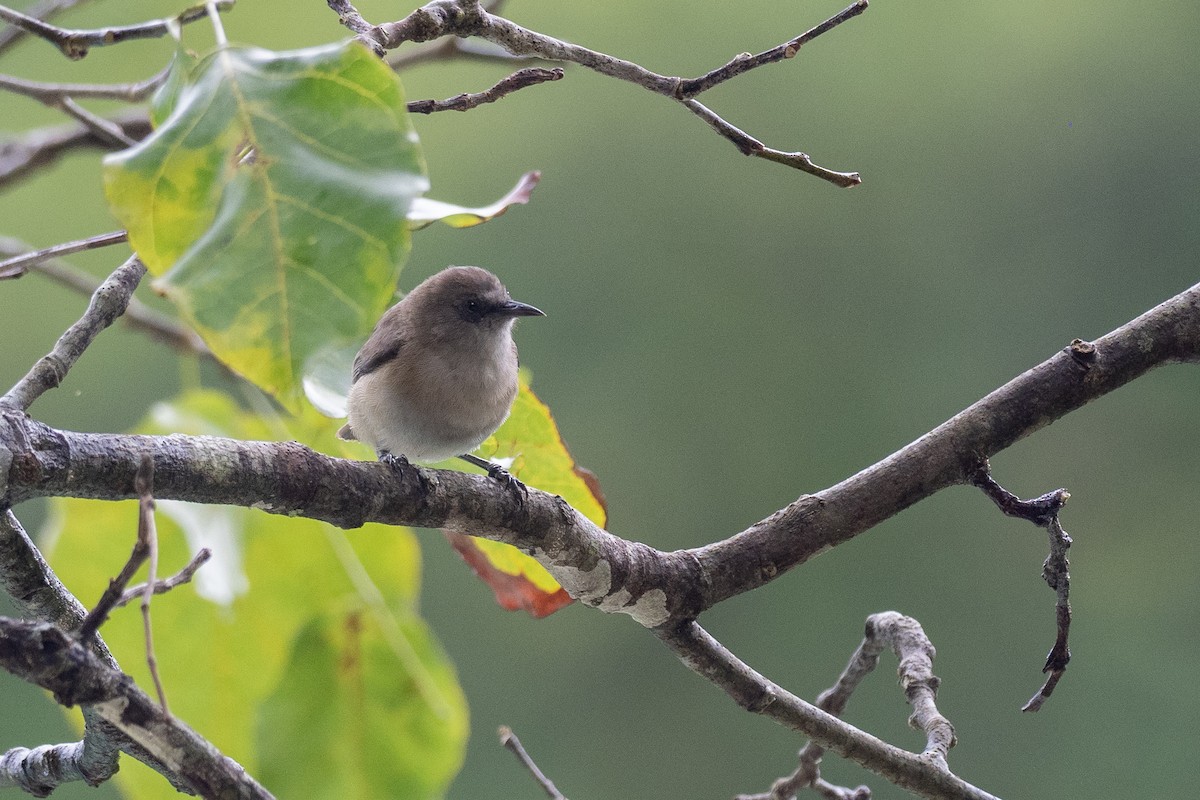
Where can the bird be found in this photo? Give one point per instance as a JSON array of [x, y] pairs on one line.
[[438, 375]]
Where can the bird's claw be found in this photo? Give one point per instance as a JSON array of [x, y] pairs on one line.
[[497, 472], [396, 462]]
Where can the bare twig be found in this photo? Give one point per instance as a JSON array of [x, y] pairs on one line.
[[36, 149], [75, 44], [1043, 511], [464, 102], [513, 744], [141, 551], [1055, 573], [102, 128], [753, 147], [51, 93], [905, 637], [147, 534], [467, 18], [184, 575], [107, 304]]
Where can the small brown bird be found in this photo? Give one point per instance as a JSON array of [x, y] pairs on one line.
[[439, 373]]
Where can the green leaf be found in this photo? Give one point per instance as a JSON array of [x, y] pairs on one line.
[[231, 646], [271, 203]]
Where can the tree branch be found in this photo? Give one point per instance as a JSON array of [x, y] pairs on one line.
[[75, 44], [594, 566], [42, 654], [51, 93], [33, 150], [465, 102], [466, 18], [920, 773], [107, 304], [43, 10], [28, 580], [138, 315]]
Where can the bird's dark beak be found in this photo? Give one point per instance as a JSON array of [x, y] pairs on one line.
[[515, 309]]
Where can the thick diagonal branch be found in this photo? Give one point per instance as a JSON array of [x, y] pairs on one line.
[[601, 569]]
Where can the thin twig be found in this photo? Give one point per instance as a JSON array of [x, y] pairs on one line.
[[746, 62], [16, 266], [104, 129], [464, 102], [75, 44], [1044, 512], [147, 533], [1055, 571], [107, 304], [753, 147], [141, 551], [184, 575], [510, 741], [51, 93]]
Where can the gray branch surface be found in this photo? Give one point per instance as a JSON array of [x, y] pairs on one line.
[[665, 591], [603, 570]]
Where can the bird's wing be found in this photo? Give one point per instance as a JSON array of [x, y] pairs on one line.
[[374, 354]]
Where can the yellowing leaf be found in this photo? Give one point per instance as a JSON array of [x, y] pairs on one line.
[[530, 444], [271, 203]]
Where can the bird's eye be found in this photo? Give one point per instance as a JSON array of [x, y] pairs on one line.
[[472, 310]]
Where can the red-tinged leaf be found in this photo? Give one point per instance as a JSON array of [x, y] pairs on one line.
[[513, 592]]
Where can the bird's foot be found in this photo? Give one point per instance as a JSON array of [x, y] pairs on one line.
[[510, 482], [396, 462], [499, 473]]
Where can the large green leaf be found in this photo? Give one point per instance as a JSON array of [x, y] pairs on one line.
[[236, 648], [271, 202]]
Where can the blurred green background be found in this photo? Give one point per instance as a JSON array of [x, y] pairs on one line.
[[725, 334]]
